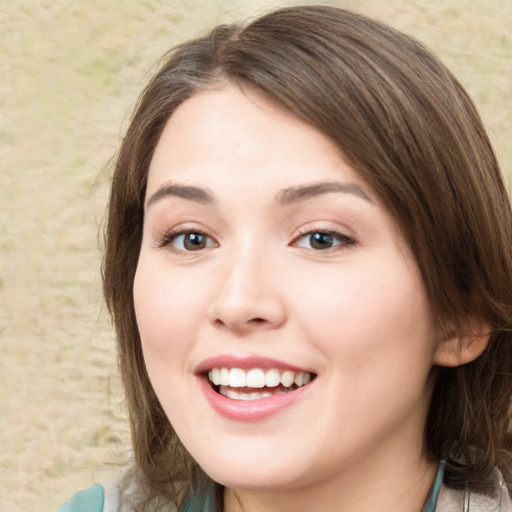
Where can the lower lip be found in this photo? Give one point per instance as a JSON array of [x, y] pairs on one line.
[[250, 410]]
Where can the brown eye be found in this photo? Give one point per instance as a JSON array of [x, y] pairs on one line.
[[188, 241], [194, 241]]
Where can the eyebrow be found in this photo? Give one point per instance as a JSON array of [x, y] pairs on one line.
[[297, 194], [285, 197], [199, 195]]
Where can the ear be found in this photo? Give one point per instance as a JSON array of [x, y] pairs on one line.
[[455, 350]]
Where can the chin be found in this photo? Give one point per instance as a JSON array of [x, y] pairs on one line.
[[255, 476]]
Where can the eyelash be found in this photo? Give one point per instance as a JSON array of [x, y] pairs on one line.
[[344, 240], [171, 236]]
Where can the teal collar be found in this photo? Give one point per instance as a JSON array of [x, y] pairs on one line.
[[202, 500], [431, 503]]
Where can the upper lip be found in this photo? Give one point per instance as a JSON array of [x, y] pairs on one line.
[[246, 363]]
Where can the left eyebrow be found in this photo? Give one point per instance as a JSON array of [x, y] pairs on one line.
[[297, 194], [199, 195]]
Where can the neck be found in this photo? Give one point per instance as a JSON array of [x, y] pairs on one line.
[[384, 482]]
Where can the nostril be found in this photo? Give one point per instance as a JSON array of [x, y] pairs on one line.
[[254, 323]]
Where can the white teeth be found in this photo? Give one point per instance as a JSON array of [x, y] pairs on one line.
[[257, 378], [237, 378], [299, 379], [224, 377], [239, 395], [287, 378], [302, 379], [272, 378], [214, 376]]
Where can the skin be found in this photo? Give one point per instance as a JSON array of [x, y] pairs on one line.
[[355, 314]]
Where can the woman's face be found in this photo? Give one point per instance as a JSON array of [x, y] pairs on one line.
[[270, 267]]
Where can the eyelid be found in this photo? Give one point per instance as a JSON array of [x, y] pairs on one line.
[[169, 236], [345, 240]]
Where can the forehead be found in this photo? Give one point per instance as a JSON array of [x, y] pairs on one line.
[[233, 134]]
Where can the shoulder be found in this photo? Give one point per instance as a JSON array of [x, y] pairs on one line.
[[132, 495], [96, 498], [452, 499], [89, 500]]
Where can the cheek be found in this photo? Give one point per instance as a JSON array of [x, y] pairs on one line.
[[168, 314], [380, 312], [167, 309]]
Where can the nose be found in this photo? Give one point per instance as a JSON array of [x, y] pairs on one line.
[[249, 296]]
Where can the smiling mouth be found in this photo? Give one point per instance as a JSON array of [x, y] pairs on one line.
[[256, 383]]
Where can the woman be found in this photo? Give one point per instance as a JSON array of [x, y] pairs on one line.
[[308, 263]]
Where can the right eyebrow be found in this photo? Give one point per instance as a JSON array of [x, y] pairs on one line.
[[297, 194], [199, 195]]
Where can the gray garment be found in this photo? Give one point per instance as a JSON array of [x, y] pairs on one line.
[[451, 500]]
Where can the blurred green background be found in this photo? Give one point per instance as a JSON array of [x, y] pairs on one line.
[[70, 72]]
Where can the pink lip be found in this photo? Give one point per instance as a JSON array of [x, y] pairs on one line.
[[245, 363], [250, 410]]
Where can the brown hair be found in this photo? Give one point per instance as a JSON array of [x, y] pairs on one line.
[[405, 123]]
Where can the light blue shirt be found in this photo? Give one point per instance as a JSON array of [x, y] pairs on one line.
[[90, 500]]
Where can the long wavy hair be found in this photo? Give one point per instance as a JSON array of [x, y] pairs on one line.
[[407, 126]]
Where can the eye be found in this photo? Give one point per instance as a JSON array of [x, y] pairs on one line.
[[322, 240], [187, 241]]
